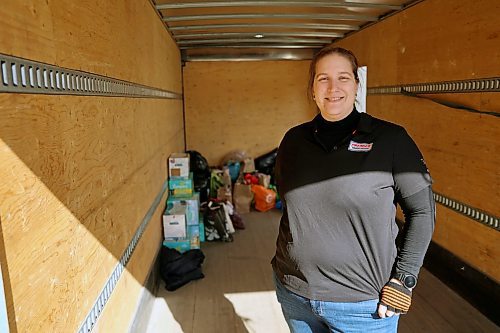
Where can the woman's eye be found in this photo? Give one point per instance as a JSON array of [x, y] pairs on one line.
[[343, 78], [322, 79]]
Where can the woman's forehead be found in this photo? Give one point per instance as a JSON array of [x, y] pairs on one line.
[[334, 63], [333, 58]]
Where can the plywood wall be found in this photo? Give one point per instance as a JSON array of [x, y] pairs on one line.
[[250, 105], [78, 173], [439, 41], [243, 105]]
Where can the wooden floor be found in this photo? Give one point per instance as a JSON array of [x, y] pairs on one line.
[[237, 293]]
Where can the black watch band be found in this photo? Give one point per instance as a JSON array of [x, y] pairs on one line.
[[408, 280]]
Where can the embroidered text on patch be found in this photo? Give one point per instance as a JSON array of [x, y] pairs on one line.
[[357, 146]]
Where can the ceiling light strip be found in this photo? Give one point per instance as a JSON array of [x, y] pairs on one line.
[[339, 17], [19, 75], [313, 26], [321, 4], [250, 46], [254, 40], [461, 86], [466, 210], [252, 55], [264, 33], [94, 314]]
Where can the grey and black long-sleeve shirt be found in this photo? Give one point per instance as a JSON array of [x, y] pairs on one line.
[[337, 234]]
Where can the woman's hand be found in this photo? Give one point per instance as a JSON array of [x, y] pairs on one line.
[[383, 312], [395, 299]]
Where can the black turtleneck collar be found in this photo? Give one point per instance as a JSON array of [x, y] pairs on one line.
[[332, 133], [349, 122]]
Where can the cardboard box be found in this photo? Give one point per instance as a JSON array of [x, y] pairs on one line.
[[191, 205], [181, 182], [174, 222], [181, 192], [191, 241], [178, 165], [202, 231], [194, 236], [181, 186], [181, 245]]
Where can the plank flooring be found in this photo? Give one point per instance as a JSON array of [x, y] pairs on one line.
[[237, 293]]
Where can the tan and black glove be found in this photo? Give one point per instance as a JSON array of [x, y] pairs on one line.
[[396, 297]]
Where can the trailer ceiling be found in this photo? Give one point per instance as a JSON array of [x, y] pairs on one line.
[[266, 30]]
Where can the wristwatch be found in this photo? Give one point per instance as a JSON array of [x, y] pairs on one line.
[[408, 280]]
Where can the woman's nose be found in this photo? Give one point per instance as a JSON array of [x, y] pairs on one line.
[[331, 86]]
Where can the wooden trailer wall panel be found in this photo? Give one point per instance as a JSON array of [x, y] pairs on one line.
[[79, 173], [243, 105], [249, 106]]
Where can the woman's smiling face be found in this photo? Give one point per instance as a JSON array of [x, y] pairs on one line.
[[335, 87]]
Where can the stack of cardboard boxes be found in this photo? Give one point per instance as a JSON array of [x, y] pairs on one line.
[[182, 228]]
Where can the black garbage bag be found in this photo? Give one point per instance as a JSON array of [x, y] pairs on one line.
[[198, 165], [265, 163], [177, 269]]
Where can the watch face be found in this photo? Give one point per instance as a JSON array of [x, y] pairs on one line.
[[410, 281]]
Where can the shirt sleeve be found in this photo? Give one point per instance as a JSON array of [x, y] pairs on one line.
[[409, 170], [419, 212]]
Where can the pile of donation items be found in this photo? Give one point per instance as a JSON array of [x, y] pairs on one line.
[[205, 203], [246, 182], [180, 256]]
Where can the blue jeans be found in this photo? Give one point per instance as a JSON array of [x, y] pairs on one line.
[[309, 316]]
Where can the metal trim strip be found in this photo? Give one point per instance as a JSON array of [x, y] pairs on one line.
[[96, 310], [262, 41], [459, 86], [264, 34], [288, 3], [340, 17], [473, 213], [314, 26], [250, 46], [250, 54], [18, 75]]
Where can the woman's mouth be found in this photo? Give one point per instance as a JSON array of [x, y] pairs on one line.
[[334, 99]]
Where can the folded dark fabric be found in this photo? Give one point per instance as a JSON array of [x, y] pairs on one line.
[[177, 269], [168, 255], [175, 282], [183, 264]]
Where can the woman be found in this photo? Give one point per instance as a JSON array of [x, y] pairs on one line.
[[337, 268]]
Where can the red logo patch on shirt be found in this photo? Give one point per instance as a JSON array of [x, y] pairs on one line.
[[357, 146]]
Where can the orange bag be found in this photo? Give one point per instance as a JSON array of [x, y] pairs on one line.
[[265, 199]]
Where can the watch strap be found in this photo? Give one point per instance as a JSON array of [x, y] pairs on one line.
[[402, 278]]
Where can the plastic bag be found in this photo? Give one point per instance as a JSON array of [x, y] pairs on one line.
[[265, 163], [216, 182], [234, 156], [198, 165], [265, 199]]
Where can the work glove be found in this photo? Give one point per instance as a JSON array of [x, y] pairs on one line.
[[396, 298]]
